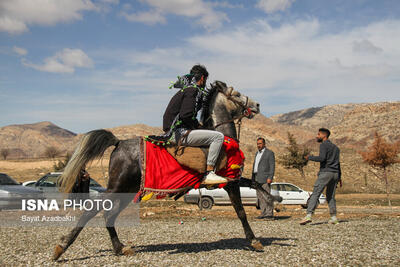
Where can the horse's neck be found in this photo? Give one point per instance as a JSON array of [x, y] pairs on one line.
[[222, 117], [228, 129]]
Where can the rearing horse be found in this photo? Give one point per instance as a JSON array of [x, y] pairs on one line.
[[222, 107]]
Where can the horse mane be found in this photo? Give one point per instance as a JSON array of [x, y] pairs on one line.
[[206, 110]]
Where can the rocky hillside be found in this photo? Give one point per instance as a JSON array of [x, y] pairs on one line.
[[358, 125], [315, 117], [31, 140], [274, 133], [129, 131], [352, 125]]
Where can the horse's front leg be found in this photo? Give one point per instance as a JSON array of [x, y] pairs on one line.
[[234, 194]]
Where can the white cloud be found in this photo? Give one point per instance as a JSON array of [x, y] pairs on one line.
[[64, 61], [271, 6], [112, 2], [226, 4], [20, 51], [298, 62], [17, 15], [151, 17], [11, 25], [365, 46], [105, 5], [202, 12]]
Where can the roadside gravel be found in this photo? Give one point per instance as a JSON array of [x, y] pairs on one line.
[[368, 241]]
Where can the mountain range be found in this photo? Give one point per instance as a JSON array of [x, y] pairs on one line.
[[352, 126]]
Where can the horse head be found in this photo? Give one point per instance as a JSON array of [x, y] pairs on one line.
[[223, 105]]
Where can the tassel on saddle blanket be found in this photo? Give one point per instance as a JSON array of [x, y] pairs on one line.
[[166, 172]]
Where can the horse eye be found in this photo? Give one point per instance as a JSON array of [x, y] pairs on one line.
[[236, 94]]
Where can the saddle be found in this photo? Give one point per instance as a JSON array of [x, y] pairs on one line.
[[170, 169], [195, 157]]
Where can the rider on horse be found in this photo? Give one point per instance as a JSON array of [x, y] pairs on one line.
[[180, 119]]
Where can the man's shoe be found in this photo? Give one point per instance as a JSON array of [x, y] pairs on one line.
[[306, 220], [333, 221], [269, 218], [212, 178], [266, 218]]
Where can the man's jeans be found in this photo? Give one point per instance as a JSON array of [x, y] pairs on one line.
[[266, 205], [210, 138], [328, 180]]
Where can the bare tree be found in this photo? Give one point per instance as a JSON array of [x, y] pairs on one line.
[[5, 152], [51, 152], [294, 159], [381, 155]]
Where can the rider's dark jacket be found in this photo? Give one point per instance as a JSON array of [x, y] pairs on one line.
[[185, 104]]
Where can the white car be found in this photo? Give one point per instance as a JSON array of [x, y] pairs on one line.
[[48, 184], [29, 183], [291, 194]]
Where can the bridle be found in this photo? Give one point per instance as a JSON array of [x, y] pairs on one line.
[[246, 111]]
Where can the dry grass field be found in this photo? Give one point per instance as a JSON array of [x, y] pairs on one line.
[[356, 178], [23, 170], [353, 182]]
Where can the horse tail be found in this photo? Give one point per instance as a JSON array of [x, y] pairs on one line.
[[91, 146]]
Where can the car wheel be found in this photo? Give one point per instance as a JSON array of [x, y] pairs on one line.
[[304, 206], [205, 203], [258, 205]]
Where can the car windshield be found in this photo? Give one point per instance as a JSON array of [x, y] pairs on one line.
[[49, 180], [289, 187], [7, 180]]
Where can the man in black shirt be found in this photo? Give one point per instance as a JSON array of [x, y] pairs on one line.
[[180, 119], [328, 176]]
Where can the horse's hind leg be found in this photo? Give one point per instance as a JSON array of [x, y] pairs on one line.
[[110, 217], [67, 241], [234, 194]]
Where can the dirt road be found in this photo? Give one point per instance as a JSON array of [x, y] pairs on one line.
[[215, 237]]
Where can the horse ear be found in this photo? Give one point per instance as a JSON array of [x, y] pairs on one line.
[[233, 92]]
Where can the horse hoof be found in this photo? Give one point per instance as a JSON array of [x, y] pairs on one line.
[[128, 251], [257, 245], [58, 251]]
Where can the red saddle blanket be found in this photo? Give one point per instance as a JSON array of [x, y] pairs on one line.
[[164, 175]]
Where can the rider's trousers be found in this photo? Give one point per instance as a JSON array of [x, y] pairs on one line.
[[210, 138]]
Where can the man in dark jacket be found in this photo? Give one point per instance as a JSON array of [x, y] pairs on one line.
[[180, 119], [328, 176], [81, 186], [82, 183], [263, 173]]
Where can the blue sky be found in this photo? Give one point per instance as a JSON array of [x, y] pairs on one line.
[[87, 64]]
